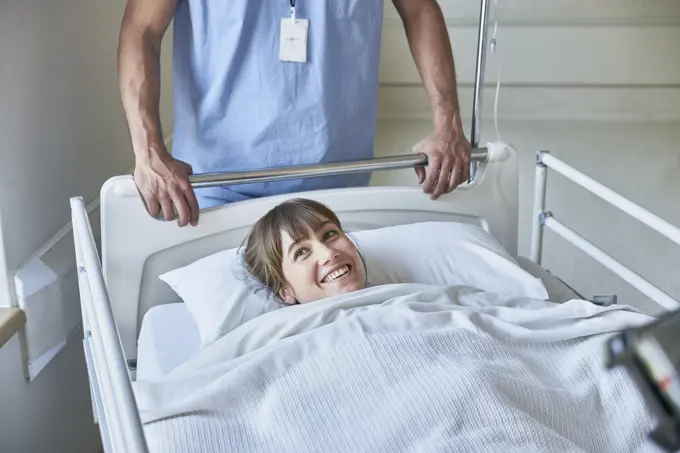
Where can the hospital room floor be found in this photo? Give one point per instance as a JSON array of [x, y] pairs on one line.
[[640, 160]]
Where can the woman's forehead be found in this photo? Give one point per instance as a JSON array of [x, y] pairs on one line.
[[304, 230]]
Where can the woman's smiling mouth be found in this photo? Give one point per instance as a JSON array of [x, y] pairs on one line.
[[337, 273]]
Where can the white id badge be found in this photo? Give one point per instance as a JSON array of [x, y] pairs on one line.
[[293, 46]]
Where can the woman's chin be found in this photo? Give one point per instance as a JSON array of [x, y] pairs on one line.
[[348, 287]]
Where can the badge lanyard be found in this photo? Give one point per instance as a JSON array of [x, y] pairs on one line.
[[293, 39], [292, 9]]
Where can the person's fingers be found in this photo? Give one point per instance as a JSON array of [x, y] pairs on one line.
[[194, 209], [465, 169], [464, 172], [189, 197], [456, 177], [420, 173], [166, 206], [151, 204], [443, 178], [188, 194], [431, 174], [182, 207]]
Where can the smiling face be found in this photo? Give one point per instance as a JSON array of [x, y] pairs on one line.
[[320, 264], [299, 250]]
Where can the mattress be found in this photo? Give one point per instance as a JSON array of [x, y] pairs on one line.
[[169, 336]]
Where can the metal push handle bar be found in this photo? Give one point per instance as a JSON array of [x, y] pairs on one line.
[[329, 169]]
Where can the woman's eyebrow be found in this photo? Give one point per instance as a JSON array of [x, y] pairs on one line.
[[294, 243], [300, 239]]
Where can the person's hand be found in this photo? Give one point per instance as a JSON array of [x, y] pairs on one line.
[[164, 184], [448, 153]]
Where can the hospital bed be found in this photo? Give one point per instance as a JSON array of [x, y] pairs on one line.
[[137, 328]]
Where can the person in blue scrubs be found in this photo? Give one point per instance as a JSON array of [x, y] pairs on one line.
[[269, 83]]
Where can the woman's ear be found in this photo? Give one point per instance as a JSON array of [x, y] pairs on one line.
[[287, 295]]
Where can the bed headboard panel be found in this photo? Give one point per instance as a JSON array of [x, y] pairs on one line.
[[136, 248]]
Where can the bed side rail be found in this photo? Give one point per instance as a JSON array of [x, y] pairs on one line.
[[113, 399], [543, 218]]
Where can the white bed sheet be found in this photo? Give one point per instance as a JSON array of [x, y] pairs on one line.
[[411, 367], [169, 336]]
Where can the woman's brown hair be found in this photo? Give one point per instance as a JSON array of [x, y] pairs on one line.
[[263, 254]]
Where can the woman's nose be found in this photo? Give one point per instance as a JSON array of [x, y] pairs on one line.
[[325, 253]]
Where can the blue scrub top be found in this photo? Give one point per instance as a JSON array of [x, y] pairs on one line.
[[238, 107]]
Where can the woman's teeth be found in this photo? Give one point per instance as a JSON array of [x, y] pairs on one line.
[[336, 274]]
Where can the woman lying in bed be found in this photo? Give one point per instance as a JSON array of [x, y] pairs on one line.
[[299, 250]]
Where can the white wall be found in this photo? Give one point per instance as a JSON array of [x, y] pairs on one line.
[[563, 59], [598, 84], [62, 134]]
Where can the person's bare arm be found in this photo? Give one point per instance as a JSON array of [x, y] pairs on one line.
[[447, 148], [162, 180]]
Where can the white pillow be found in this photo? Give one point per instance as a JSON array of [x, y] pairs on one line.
[[221, 296], [219, 293], [444, 253]]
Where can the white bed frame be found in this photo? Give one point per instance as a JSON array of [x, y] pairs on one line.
[[136, 248]]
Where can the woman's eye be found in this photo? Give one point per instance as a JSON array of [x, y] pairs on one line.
[[299, 252], [330, 234]]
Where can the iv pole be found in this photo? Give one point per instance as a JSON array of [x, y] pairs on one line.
[[479, 84]]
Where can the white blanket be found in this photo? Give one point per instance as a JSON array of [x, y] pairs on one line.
[[405, 368]]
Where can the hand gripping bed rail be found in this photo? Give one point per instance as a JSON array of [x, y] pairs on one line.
[[114, 406], [543, 218], [315, 170]]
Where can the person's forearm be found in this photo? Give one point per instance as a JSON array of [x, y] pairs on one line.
[[431, 48], [139, 83]]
